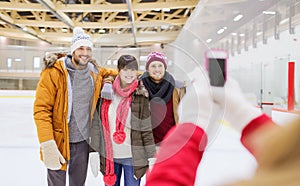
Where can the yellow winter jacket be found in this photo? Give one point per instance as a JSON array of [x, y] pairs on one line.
[[51, 102]]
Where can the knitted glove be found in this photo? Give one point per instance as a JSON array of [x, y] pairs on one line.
[[52, 158], [179, 84], [237, 110], [197, 104], [107, 91], [95, 163]]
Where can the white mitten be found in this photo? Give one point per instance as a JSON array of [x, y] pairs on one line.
[[107, 91], [52, 158], [237, 110], [95, 163], [151, 162], [196, 105]]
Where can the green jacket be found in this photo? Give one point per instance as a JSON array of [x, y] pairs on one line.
[[142, 141]]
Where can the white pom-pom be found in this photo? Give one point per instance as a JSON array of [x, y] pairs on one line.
[[78, 30]]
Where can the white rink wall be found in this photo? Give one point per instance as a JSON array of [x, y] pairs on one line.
[[17, 93]]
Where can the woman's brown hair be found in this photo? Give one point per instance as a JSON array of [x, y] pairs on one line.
[[127, 61]]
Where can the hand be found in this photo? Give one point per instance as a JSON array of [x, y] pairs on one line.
[[196, 105], [151, 162], [107, 91], [95, 163], [179, 84], [52, 158], [237, 110]]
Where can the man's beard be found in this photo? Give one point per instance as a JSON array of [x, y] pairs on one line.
[[77, 62]]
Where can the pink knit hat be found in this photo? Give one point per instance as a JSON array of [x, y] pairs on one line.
[[156, 56]]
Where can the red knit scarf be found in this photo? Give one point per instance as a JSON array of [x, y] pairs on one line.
[[123, 108], [121, 116]]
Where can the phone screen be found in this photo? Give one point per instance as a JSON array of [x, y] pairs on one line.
[[217, 72]]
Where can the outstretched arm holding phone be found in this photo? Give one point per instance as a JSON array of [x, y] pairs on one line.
[[184, 146]]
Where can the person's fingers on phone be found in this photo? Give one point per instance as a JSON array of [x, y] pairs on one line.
[[221, 94]]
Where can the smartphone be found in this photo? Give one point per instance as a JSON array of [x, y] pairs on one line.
[[216, 65]]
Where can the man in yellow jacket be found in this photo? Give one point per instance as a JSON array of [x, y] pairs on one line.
[[66, 98]]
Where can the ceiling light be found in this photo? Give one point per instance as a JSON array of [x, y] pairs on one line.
[[208, 40], [269, 12], [101, 31], [148, 32], [166, 9], [259, 33], [220, 31], [164, 27], [234, 34], [43, 30], [242, 35], [64, 30], [238, 17]]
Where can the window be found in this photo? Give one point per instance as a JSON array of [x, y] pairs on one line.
[[36, 62], [9, 62]]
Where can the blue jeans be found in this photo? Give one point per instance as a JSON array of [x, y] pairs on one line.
[[126, 164]]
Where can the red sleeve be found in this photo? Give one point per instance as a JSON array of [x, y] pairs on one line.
[[251, 134], [178, 157]]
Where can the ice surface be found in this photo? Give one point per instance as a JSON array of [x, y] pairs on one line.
[[224, 161]]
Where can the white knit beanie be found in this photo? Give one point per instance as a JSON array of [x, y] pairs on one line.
[[80, 39]]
